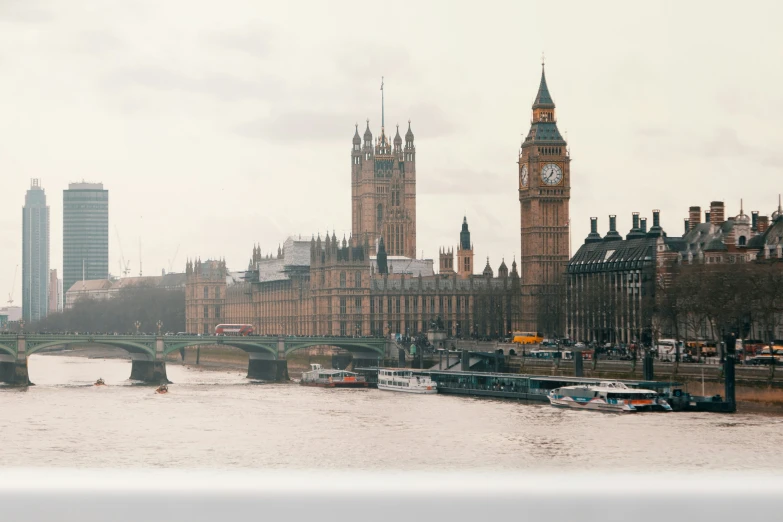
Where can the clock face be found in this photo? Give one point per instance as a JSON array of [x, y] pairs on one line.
[[523, 176], [551, 174]]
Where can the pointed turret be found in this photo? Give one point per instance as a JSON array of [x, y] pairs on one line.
[[357, 140], [503, 269], [367, 135], [397, 138], [488, 270], [409, 135]]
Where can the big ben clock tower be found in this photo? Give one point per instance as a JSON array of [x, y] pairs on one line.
[[544, 193]]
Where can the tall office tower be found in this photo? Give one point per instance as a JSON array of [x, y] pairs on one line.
[[35, 254], [85, 233]]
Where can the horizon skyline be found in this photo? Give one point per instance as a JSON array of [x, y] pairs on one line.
[[194, 125]]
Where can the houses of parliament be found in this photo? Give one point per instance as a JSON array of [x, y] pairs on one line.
[[371, 282]]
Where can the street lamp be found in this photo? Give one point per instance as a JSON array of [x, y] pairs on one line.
[[21, 326], [137, 324], [160, 324]]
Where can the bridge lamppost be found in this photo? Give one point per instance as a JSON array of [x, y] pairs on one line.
[[137, 324], [160, 325], [21, 326]]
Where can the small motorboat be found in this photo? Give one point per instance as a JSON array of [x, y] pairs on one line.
[[100, 382], [162, 389]]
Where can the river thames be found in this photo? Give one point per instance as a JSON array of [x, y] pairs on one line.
[[217, 419]]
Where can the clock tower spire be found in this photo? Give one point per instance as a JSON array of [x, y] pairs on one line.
[[544, 194]]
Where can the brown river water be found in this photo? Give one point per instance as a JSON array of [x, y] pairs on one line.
[[217, 419]]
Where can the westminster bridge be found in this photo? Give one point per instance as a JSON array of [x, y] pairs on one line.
[[148, 353]]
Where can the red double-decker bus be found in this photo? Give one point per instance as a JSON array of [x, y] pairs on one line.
[[234, 329]]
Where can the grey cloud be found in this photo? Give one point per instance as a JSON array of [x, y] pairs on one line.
[[299, 127], [725, 142], [462, 181], [431, 121], [219, 85], [362, 61], [24, 11], [255, 41], [96, 42]]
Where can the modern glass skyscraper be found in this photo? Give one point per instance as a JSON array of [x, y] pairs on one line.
[[35, 254], [85, 233]]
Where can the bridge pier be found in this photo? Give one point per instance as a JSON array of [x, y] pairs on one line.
[[149, 371], [264, 367], [14, 372]]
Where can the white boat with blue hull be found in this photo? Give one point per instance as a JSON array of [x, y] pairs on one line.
[[611, 397]]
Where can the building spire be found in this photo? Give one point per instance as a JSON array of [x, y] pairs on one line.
[[383, 115], [543, 98]]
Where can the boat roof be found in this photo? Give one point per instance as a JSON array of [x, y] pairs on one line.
[[331, 371], [610, 387]]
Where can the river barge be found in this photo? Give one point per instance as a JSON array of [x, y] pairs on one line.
[[536, 388], [323, 378]]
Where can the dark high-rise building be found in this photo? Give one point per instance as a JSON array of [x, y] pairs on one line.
[[85, 233], [35, 254]]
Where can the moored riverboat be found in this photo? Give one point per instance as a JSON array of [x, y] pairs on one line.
[[611, 397], [406, 381], [323, 378]]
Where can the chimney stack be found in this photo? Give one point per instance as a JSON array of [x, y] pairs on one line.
[[707, 217], [593, 236], [716, 213], [754, 223], [694, 217], [643, 224], [763, 223], [612, 235], [656, 218], [687, 225]]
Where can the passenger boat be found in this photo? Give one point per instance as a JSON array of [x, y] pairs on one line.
[[318, 376], [613, 397], [100, 382], [405, 381]]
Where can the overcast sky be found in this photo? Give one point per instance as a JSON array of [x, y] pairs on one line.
[[217, 125]]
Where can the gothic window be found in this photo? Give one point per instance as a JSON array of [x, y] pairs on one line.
[[342, 328], [416, 305], [389, 303], [206, 312], [397, 304], [357, 304], [380, 305], [742, 241], [217, 292], [217, 312], [342, 279], [323, 278], [358, 280], [206, 292], [342, 306]]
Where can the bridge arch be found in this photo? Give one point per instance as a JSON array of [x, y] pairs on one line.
[[8, 349], [241, 343], [128, 346], [358, 345]]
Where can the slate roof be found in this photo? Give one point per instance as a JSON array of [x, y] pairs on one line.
[[630, 254], [544, 131]]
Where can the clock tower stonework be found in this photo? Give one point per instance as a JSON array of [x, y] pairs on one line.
[[544, 194]]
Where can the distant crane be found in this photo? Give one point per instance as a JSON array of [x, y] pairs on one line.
[[174, 258], [124, 265], [13, 286]]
